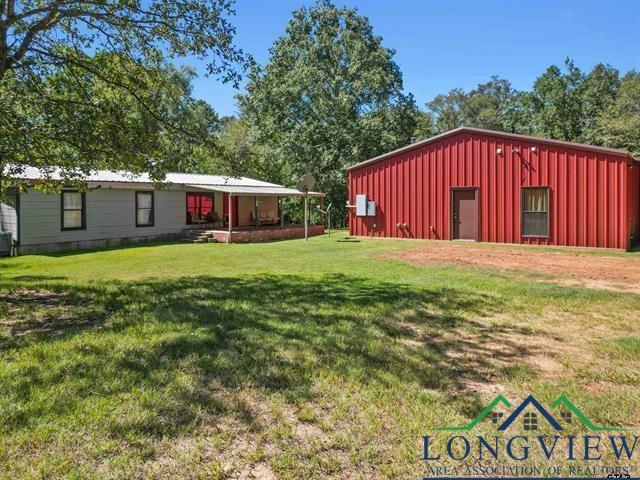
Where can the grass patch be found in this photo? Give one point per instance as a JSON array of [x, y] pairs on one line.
[[284, 359], [626, 347]]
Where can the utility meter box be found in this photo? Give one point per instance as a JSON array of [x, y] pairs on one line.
[[5, 244], [371, 208], [361, 205]]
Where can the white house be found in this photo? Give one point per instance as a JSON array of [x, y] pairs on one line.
[[120, 207]]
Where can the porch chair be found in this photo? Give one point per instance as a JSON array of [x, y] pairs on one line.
[[195, 218], [213, 218], [266, 218]]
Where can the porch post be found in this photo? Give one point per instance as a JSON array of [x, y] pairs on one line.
[[255, 211], [280, 211], [230, 212]]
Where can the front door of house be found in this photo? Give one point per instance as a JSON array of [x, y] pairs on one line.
[[464, 214]]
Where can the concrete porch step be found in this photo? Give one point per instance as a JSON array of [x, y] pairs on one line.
[[199, 236]]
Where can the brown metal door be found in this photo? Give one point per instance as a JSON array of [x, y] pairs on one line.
[[465, 215]]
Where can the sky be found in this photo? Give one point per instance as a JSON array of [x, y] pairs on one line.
[[441, 45]]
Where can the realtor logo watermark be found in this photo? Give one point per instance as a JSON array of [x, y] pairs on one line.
[[504, 455]]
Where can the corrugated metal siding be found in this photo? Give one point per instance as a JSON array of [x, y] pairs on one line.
[[589, 203], [633, 196]]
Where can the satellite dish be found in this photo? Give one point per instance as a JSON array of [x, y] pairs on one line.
[[306, 183]]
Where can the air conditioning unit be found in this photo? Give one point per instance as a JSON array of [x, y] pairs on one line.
[[6, 242]]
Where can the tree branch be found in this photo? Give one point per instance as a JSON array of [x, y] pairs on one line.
[[43, 24], [127, 88]]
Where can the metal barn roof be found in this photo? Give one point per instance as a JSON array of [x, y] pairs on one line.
[[513, 136]]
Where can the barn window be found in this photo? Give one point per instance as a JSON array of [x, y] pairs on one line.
[[535, 212], [144, 209], [73, 207]]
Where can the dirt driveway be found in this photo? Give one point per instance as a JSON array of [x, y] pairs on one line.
[[574, 267]]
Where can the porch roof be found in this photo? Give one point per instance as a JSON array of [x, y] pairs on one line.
[[256, 191]]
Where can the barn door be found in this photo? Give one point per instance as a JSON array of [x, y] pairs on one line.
[[464, 214]]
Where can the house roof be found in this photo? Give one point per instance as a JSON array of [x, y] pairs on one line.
[[513, 136], [32, 173]]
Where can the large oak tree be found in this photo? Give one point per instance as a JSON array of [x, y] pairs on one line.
[[330, 96], [84, 84]]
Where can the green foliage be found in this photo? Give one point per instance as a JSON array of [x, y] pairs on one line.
[[237, 154], [329, 97], [448, 110], [598, 91], [566, 104], [557, 103], [619, 124], [39, 36], [82, 117], [85, 85], [484, 107], [424, 125], [519, 114]]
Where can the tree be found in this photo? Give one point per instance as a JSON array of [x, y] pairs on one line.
[[98, 124], [618, 125], [518, 114], [483, 107], [486, 104], [448, 110], [563, 104], [330, 96], [425, 127], [238, 155], [597, 92], [557, 102], [55, 53]]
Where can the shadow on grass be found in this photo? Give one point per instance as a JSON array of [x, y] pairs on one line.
[[177, 349]]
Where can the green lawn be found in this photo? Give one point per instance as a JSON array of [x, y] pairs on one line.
[[286, 359]]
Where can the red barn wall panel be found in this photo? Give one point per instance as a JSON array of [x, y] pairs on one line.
[[633, 202], [593, 195]]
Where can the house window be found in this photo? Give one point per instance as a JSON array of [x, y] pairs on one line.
[[535, 212], [73, 206], [199, 208], [144, 209]]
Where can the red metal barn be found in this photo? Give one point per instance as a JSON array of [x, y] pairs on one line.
[[473, 184]]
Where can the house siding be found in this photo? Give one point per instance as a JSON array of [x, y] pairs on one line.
[[110, 218], [246, 205], [268, 206]]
